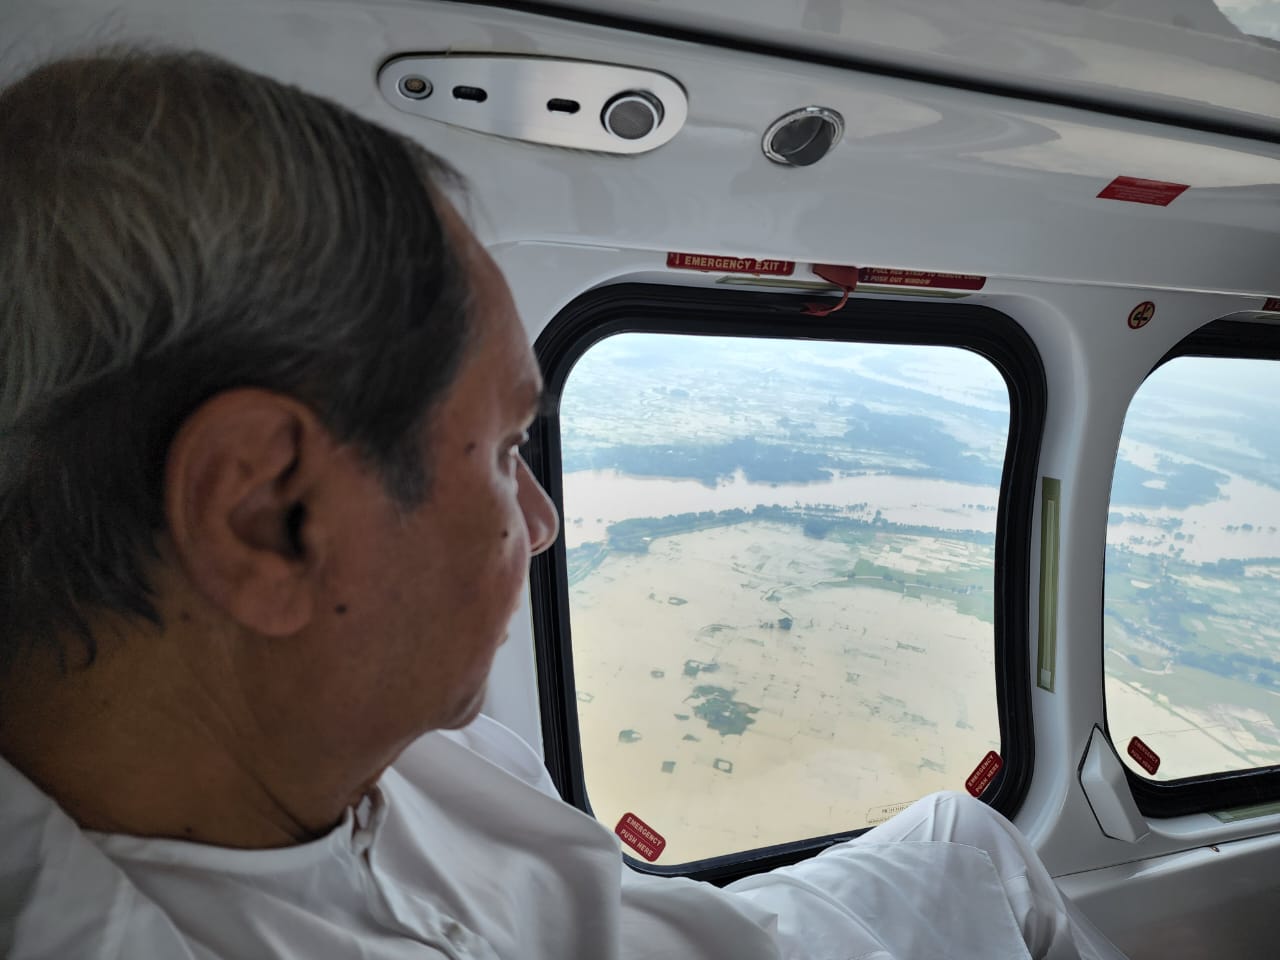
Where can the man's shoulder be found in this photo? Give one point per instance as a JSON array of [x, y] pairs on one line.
[[485, 742], [61, 898]]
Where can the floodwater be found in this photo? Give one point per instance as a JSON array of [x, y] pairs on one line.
[[863, 701]]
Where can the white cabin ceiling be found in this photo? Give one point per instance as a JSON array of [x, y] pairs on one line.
[[1199, 61]]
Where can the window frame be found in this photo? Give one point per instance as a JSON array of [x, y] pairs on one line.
[[1225, 790], [658, 308]]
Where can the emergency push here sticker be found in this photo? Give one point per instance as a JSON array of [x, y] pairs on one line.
[[1146, 758], [640, 837], [981, 778]]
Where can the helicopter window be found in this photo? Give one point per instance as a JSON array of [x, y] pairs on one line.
[[1191, 617], [780, 570]]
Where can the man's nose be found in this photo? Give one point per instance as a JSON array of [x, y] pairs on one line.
[[539, 512]]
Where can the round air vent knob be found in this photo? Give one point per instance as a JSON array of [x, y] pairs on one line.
[[414, 87], [803, 137], [632, 115]]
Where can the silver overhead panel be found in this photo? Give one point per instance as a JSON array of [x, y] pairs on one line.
[[563, 103]]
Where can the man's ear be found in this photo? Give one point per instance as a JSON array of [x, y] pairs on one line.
[[236, 483]]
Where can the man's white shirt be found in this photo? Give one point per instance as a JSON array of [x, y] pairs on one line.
[[465, 851]]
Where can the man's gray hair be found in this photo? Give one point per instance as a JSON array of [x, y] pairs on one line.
[[172, 226]]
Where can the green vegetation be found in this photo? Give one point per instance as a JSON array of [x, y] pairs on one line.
[[1168, 615], [1178, 484], [915, 443], [635, 535], [721, 712], [694, 667], [710, 463], [969, 588]]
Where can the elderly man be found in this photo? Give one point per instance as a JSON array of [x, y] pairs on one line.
[[263, 521]]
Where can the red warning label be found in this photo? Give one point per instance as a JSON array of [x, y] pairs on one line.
[[709, 264], [1272, 305], [981, 778], [886, 276], [1144, 755], [640, 837], [1158, 193]]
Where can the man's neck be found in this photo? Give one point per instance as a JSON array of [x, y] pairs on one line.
[[144, 748]]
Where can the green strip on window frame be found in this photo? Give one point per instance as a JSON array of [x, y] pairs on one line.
[[1047, 658], [1247, 813]]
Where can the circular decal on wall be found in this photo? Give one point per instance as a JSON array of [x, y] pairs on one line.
[[1141, 315]]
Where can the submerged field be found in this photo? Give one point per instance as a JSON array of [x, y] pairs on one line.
[[744, 685], [1191, 662]]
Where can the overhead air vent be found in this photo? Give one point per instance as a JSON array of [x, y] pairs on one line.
[[803, 137], [565, 103]]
